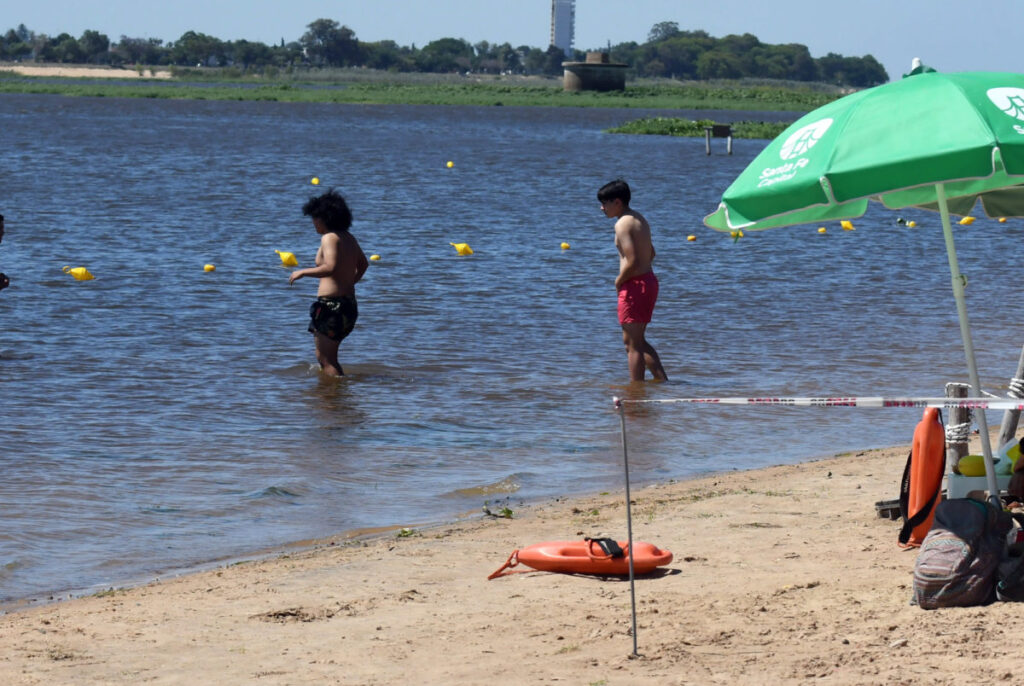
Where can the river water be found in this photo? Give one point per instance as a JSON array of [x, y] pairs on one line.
[[160, 416]]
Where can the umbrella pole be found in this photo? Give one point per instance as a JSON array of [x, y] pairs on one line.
[[965, 334]]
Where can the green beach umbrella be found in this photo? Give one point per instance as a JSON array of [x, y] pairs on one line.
[[944, 142]]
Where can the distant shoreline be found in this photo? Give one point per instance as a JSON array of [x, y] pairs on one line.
[[363, 86]]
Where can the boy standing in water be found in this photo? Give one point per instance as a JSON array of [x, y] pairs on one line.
[[636, 283], [340, 263]]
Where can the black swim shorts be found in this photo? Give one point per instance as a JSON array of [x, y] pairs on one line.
[[333, 317]]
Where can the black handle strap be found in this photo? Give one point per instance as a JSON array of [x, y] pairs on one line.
[[610, 546]]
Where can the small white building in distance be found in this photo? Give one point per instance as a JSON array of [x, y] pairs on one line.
[[563, 24]]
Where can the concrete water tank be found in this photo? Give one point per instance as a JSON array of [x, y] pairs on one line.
[[596, 74]]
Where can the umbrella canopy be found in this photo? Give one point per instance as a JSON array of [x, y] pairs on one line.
[[890, 143], [944, 142]]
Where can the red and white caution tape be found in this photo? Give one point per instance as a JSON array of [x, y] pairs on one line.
[[862, 401]]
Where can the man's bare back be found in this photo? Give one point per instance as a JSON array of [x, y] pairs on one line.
[[633, 241]]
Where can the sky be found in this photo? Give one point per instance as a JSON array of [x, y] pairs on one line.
[[943, 33]]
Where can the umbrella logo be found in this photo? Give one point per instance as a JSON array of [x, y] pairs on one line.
[[1009, 100], [803, 140]]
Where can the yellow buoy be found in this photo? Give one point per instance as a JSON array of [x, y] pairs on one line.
[[462, 248], [966, 221], [736, 235], [822, 229], [208, 267], [450, 164], [1002, 220], [691, 237], [315, 180], [80, 273], [847, 225], [374, 257], [565, 246], [288, 258], [911, 223]]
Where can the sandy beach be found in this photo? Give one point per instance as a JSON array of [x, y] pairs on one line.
[[78, 71], [783, 575]]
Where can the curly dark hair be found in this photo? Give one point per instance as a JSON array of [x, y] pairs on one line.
[[330, 208]]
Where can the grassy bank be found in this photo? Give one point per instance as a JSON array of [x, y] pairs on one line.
[[362, 87], [673, 126]]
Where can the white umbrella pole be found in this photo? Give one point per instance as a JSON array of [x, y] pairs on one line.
[[965, 334]]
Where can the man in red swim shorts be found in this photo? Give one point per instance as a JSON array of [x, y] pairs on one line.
[[636, 283]]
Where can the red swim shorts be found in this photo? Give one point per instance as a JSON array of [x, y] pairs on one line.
[[636, 299]]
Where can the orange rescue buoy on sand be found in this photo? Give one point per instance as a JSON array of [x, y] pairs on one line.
[[922, 479], [602, 556]]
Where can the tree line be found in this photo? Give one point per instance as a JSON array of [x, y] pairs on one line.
[[668, 52]]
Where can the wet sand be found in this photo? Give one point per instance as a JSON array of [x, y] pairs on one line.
[[783, 575]]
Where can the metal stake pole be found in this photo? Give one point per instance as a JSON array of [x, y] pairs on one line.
[[629, 519]]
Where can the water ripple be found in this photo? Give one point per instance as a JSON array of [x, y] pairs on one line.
[[161, 415]]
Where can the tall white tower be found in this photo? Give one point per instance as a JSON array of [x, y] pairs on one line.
[[563, 24]]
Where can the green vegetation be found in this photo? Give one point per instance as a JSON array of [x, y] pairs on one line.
[[368, 87], [667, 53], [671, 126], [504, 512], [698, 55], [328, 64]]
